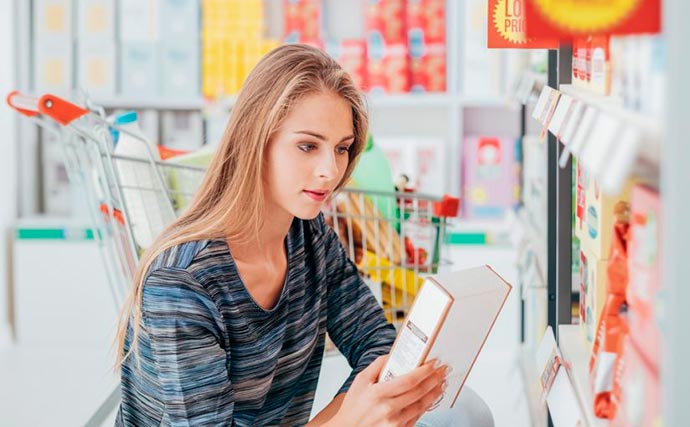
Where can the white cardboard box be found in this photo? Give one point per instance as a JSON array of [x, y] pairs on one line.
[[179, 19], [53, 20], [96, 68], [53, 69], [96, 20], [138, 69], [138, 20], [180, 68]]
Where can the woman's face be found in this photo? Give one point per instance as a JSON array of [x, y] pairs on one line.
[[308, 155]]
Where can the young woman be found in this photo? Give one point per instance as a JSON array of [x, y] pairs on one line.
[[226, 322]]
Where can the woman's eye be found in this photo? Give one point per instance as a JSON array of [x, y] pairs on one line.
[[343, 150], [307, 147]]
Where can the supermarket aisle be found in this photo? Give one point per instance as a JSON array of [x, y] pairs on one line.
[[496, 376]]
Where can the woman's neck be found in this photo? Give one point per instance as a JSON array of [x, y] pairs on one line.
[[268, 246]]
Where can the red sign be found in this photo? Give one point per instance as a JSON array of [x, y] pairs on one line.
[[573, 18], [507, 27]]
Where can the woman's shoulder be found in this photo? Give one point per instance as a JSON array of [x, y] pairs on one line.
[[193, 256]]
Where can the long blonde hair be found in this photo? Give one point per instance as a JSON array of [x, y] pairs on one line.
[[229, 203]]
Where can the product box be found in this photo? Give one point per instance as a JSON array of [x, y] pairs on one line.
[[302, 20], [138, 20], [182, 130], [640, 390], [52, 20], [421, 159], [138, 69], [428, 68], [600, 65], [426, 21], [96, 20], [352, 56], [389, 70], [595, 214], [53, 67], [179, 68], [385, 22], [592, 294], [179, 19], [490, 176], [644, 255], [96, 67]]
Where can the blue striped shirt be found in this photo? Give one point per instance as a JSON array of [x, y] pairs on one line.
[[208, 354]]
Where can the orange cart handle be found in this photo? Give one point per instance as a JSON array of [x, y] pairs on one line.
[[58, 109]]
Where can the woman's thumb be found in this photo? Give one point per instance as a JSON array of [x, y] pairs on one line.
[[371, 373]]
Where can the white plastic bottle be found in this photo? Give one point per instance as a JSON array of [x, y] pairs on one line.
[[148, 205]]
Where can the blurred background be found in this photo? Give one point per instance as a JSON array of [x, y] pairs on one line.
[[542, 140]]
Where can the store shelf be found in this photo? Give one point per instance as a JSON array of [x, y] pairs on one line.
[[413, 100], [649, 126], [537, 408], [574, 352], [151, 103], [479, 231], [538, 244], [490, 102]]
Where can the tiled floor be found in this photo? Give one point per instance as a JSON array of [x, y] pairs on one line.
[[67, 387]]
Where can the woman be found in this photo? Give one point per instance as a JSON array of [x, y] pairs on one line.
[[226, 322]]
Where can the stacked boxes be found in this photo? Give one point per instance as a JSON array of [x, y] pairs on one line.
[[644, 314], [491, 176], [231, 43], [96, 47], [302, 20], [426, 36], [640, 390], [387, 46], [53, 49], [352, 56], [595, 216]]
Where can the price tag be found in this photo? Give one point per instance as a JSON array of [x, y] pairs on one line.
[[620, 164], [542, 104], [571, 122], [600, 148], [581, 135], [562, 109]]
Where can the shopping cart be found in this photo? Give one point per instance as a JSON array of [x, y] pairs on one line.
[[395, 239]]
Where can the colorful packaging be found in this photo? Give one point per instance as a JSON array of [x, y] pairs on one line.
[[428, 71], [596, 229], [592, 293], [302, 20], [643, 263], [490, 181], [426, 21], [612, 327], [389, 73], [600, 65], [385, 22], [640, 389], [352, 56]]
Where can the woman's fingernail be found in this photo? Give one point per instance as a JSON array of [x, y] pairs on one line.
[[444, 385], [449, 369]]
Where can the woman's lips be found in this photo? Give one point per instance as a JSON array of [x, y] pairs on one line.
[[317, 195]]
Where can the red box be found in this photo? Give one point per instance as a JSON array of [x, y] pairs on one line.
[[428, 72], [428, 18], [643, 269], [390, 73], [640, 390], [302, 20], [352, 56], [385, 21]]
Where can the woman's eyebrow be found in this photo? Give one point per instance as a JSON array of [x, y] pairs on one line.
[[321, 137]]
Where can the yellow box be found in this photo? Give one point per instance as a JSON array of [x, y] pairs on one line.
[[592, 293], [595, 230]]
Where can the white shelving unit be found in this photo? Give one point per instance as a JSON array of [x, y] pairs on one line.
[[574, 351]]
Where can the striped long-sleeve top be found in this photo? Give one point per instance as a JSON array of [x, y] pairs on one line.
[[208, 354]]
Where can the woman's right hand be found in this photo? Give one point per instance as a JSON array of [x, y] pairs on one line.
[[399, 402]]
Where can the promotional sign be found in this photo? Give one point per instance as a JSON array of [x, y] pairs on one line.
[[572, 18], [507, 27]]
